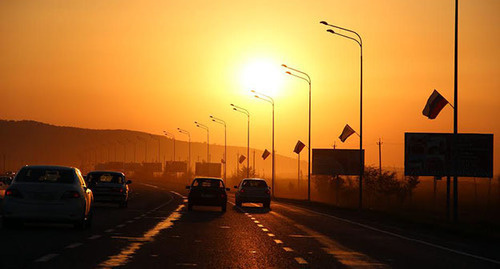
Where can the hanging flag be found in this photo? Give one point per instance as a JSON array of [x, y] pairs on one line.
[[435, 103], [242, 158], [298, 147], [265, 154], [348, 131]]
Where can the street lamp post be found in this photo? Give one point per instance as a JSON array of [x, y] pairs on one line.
[[167, 134], [202, 126], [244, 111], [182, 131], [270, 100], [220, 121], [359, 41], [308, 80]]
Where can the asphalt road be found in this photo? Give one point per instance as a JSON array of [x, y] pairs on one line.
[[157, 231]]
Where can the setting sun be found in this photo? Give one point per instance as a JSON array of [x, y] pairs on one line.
[[262, 75]]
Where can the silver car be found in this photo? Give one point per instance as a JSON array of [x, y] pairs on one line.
[[48, 194], [109, 186], [253, 190]]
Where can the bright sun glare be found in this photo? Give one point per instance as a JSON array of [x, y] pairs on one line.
[[264, 76]]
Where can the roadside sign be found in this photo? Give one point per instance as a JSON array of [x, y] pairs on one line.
[[336, 161], [208, 169], [175, 166], [433, 154]]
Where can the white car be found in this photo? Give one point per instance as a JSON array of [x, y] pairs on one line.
[[48, 194]]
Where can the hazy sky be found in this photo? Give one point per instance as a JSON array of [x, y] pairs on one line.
[[158, 65]]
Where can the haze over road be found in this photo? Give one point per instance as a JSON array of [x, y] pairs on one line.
[[157, 231]]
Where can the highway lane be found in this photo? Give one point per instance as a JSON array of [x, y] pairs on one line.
[[157, 231], [38, 245]]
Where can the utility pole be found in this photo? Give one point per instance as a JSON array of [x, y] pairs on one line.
[[379, 143]]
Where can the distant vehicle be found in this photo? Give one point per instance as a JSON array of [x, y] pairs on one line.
[[109, 186], [207, 191], [48, 194], [253, 190]]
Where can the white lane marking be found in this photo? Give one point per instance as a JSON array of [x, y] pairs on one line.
[[74, 245], [344, 255], [47, 257], [287, 249], [94, 237], [278, 241], [149, 185], [186, 264], [252, 218], [398, 235], [120, 226], [301, 236], [109, 230], [265, 230], [224, 227], [260, 225], [256, 221], [130, 221], [126, 254], [270, 235], [299, 260]]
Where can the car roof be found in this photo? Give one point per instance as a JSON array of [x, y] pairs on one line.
[[254, 179], [209, 178], [107, 172], [49, 167]]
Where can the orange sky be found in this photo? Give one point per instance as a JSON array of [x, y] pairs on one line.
[[159, 65]]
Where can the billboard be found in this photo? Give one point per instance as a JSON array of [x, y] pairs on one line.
[[152, 167], [175, 166], [336, 161], [208, 169], [433, 154]]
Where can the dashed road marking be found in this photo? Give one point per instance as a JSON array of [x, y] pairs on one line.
[[300, 260], [265, 230], [109, 230], [256, 221], [271, 235], [94, 237], [278, 241], [130, 221], [252, 218], [120, 226], [187, 264], [287, 249], [260, 225], [47, 257], [224, 227], [74, 245]]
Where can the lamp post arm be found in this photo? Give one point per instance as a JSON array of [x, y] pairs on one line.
[[298, 71], [360, 42]]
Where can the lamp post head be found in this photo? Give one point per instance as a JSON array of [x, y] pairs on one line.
[[252, 91], [211, 116], [284, 65], [256, 96], [213, 120], [232, 104], [234, 109], [288, 72], [330, 31], [324, 22]]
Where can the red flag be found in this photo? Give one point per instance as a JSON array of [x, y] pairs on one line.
[[298, 147], [435, 103], [348, 131], [241, 159], [265, 154]]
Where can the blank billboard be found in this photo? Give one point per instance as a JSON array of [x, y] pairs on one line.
[[335, 162]]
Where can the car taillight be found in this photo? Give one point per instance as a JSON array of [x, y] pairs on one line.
[[13, 193], [71, 195], [242, 190], [222, 195], [120, 190], [268, 192]]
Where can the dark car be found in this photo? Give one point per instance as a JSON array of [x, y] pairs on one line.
[[253, 190], [109, 186], [207, 191]]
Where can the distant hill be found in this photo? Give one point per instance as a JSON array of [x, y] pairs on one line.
[[31, 142]]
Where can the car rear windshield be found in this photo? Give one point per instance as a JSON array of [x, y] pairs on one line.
[[46, 175], [255, 183], [105, 178], [207, 183]]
